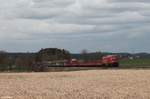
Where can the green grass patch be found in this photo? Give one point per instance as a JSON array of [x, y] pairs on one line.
[[135, 63]]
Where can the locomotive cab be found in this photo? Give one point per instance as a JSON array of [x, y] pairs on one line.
[[111, 60]]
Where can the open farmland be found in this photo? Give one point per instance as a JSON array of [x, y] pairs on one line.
[[135, 63], [92, 84]]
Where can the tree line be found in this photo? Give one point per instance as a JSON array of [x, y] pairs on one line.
[[27, 61]]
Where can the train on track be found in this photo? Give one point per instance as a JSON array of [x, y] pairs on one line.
[[105, 61], [109, 60]]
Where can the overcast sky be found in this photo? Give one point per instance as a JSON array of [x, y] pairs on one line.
[[106, 25]]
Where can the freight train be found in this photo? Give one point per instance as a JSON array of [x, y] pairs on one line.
[[106, 61]]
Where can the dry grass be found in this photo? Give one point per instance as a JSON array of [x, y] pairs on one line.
[[94, 84]]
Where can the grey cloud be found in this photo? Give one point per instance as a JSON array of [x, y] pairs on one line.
[[144, 1], [75, 24]]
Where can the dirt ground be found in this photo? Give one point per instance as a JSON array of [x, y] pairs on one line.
[[92, 84]]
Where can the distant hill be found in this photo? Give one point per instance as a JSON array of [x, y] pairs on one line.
[[93, 55]]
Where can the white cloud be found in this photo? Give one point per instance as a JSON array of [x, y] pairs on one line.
[[62, 23]]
